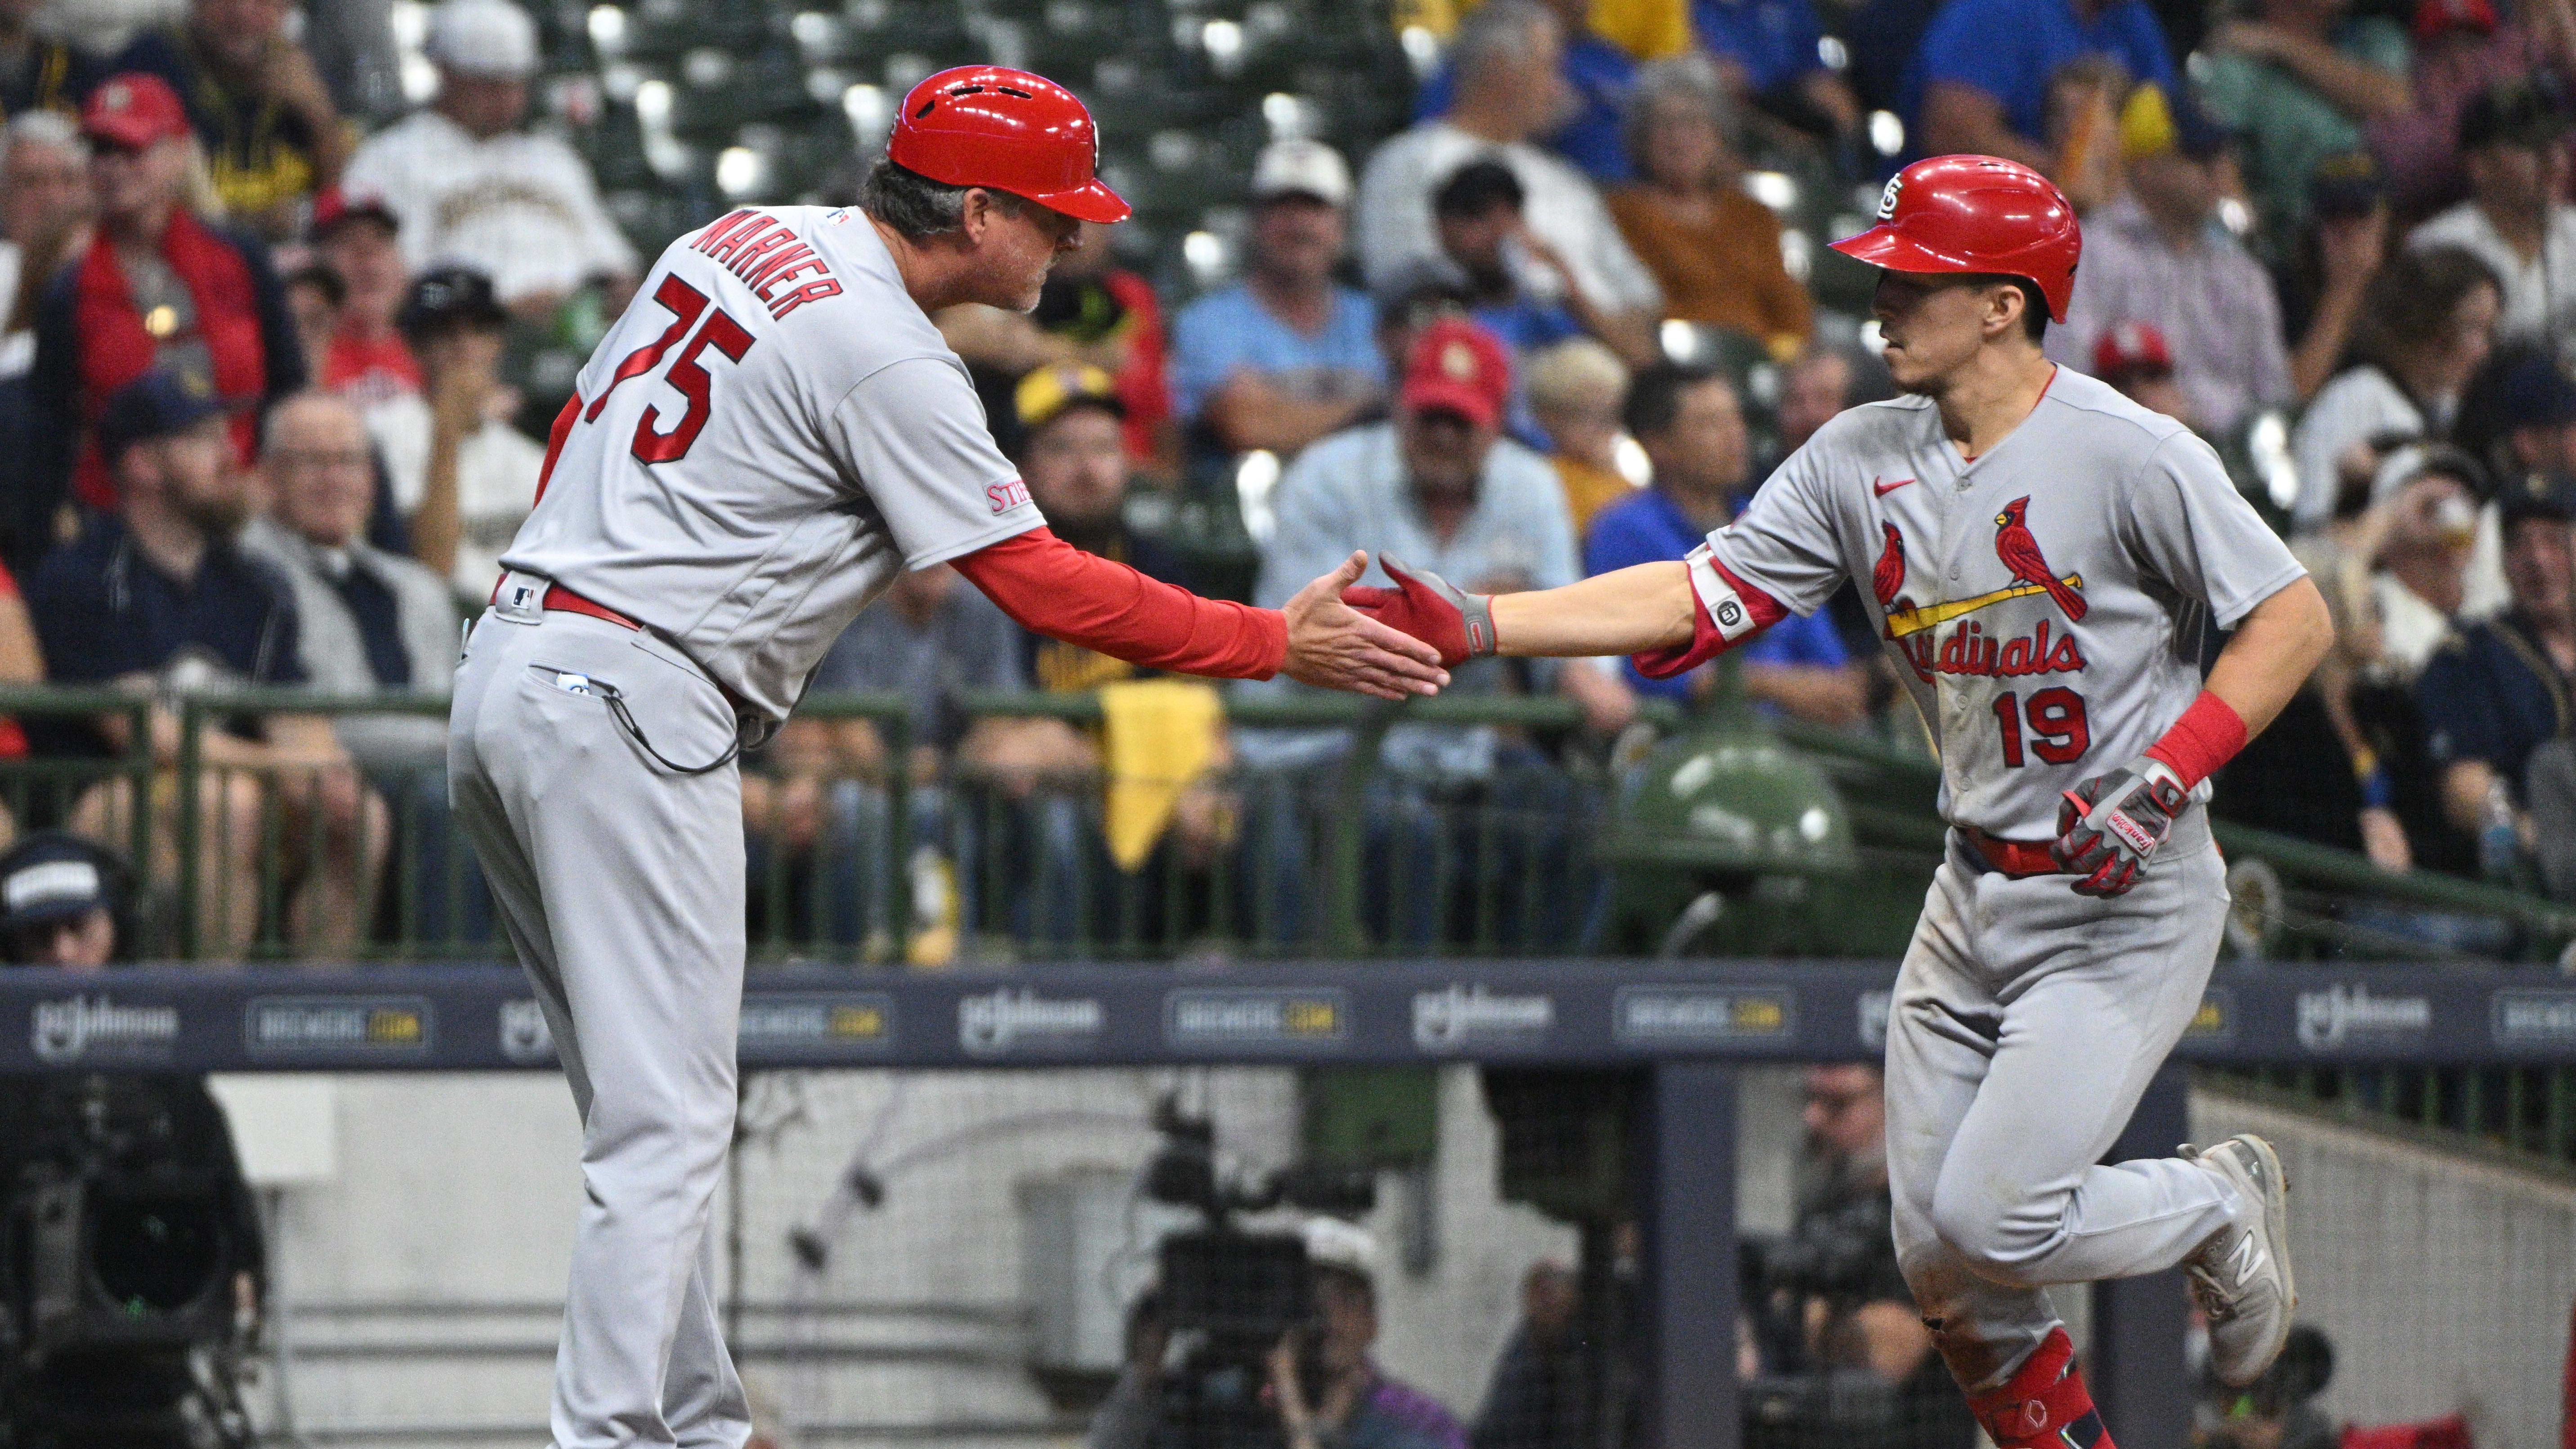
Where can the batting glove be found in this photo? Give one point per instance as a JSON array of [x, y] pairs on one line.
[[2110, 825], [1430, 608]]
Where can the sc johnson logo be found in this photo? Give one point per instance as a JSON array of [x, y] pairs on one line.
[[1463, 1015], [997, 1021], [1252, 1017], [2342, 1016], [859, 1020], [342, 1026], [1651, 1015], [95, 1028]]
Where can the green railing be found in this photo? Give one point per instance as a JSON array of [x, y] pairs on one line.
[[2329, 903], [1342, 855]]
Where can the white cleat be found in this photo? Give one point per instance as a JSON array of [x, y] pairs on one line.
[[2241, 1276]]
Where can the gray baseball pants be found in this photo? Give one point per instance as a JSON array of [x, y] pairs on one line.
[[621, 886], [2026, 1023]]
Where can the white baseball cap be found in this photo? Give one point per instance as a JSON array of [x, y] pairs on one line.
[[1300, 167], [489, 38], [1333, 1243]]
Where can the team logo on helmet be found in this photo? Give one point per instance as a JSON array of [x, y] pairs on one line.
[[1887, 198], [1459, 361]]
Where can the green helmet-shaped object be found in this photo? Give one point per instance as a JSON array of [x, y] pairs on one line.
[[1730, 800]]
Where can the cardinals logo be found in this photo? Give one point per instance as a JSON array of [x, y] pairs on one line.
[[2020, 553], [1914, 628], [1887, 576]]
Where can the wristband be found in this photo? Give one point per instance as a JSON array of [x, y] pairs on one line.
[[1725, 610], [2207, 736]]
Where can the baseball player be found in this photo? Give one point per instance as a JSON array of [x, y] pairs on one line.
[[766, 437], [2041, 552]]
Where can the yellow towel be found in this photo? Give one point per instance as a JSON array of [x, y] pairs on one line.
[[1646, 29], [1160, 734]]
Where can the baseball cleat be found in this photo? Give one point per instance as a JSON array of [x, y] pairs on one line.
[[2241, 1276]]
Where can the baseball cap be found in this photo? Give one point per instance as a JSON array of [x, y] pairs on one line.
[[134, 110], [2535, 393], [486, 38], [52, 876], [334, 207], [449, 297], [2405, 464], [1457, 366], [2538, 495], [2131, 349], [1300, 167], [159, 404], [1045, 395], [2510, 113], [2433, 17], [1345, 1247]]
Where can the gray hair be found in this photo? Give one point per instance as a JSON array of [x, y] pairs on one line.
[[916, 206], [43, 128], [1497, 31], [1689, 80]]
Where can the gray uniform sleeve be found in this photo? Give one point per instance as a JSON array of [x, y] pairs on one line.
[[1785, 542], [912, 434], [2189, 527]]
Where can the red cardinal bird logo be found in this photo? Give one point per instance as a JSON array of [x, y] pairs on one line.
[[1888, 575], [2020, 553]]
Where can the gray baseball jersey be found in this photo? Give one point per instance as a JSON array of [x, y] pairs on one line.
[[2045, 606], [2043, 603], [767, 436]]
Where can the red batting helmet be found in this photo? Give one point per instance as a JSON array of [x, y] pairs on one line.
[[989, 125], [1975, 214]]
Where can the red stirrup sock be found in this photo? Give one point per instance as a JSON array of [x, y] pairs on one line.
[[2045, 1406]]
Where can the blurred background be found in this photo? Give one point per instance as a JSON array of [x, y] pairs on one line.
[[288, 295]]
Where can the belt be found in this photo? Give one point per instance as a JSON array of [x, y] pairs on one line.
[[2011, 858], [564, 600]]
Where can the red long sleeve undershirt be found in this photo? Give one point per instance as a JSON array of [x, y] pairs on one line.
[[1048, 585]]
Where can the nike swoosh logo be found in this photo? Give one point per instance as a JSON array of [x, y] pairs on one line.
[[1883, 489]]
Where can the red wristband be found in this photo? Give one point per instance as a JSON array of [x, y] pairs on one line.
[[2207, 736], [1051, 587], [1725, 611]]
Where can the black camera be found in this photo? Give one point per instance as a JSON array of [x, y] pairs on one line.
[[1229, 1294], [124, 1226]]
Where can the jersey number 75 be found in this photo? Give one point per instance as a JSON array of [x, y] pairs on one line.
[[686, 304]]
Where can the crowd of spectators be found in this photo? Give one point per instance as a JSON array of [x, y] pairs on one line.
[[259, 419]]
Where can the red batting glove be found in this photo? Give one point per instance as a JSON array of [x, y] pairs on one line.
[[1430, 608]]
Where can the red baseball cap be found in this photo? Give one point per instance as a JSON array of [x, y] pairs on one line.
[[134, 110], [2432, 17], [2131, 347], [990, 125], [1457, 366]]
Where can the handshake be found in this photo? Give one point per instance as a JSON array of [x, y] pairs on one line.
[[1390, 643]]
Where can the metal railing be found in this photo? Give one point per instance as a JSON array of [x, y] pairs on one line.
[[1344, 854], [1330, 855]]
